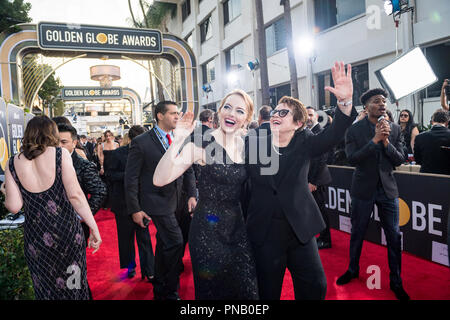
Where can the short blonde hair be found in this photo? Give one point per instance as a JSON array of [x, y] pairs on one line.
[[297, 107], [248, 101]]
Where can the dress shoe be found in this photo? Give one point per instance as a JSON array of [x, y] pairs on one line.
[[400, 293], [173, 296], [322, 244], [346, 278], [149, 278], [131, 273]]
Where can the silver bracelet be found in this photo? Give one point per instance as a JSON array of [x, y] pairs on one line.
[[345, 103]]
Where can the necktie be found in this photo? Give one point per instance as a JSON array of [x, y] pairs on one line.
[[169, 139]]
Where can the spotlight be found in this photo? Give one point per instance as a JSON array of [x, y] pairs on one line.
[[305, 45], [207, 88], [253, 65], [232, 78], [408, 74]]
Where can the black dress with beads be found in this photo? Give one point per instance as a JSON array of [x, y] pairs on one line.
[[54, 244], [222, 261]]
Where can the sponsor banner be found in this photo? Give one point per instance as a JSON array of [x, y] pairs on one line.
[[424, 207], [98, 38], [91, 93], [4, 152], [15, 128]]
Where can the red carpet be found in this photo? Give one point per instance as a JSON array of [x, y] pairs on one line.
[[423, 280]]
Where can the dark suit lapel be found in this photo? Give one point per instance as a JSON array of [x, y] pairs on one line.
[[156, 141]]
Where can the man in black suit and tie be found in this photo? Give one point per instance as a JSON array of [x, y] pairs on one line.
[[432, 148], [375, 147], [145, 200], [318, 178], [283, 217]]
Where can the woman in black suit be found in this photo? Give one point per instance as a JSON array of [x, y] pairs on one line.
[[283, 217], [126, 228]]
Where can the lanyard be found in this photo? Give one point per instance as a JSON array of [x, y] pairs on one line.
[[163, 141]]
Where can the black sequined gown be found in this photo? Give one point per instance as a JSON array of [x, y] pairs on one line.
[[54, 244], [222, 261]]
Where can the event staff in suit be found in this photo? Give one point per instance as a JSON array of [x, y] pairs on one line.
[[375, 147], [206, 117], [318, 178], [87, 174], [432, 148], [88, 147], [127, 230], [145, 200], [264, 120], [283, 217]]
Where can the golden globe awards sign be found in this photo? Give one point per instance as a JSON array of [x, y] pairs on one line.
[[97, 38], [91, 93]]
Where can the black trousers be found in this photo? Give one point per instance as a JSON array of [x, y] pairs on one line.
[[320, 195], [127, 230], [282, 250], [169, 251]]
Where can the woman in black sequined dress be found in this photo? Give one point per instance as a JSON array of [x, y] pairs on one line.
[[222, 261]]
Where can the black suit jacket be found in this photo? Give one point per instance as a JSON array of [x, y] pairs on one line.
[[264, 126], [292, 194], [89, 149], [428, 151], [373, 162], [141, 194], [90, 182], [319, 175], [116, 175]]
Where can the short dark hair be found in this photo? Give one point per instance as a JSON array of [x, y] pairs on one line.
[[62, 127], [440, 116], [61, 119], [83, 136], [264, 113], [161, 107], [372, 92], [205, 115], [135, 131]]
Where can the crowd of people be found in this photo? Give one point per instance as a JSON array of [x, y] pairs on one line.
[[248, 197]]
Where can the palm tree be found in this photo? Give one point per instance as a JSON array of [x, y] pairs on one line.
[[290, 47], [153, 18], [261, 34]]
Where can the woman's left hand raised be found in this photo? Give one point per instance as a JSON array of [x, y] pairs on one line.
[[343, 86]]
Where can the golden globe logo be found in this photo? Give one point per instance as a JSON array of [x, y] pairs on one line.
[[405, 213]]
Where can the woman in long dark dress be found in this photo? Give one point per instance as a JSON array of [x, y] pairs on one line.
[[409, 130], [42, 180], [222, 261]]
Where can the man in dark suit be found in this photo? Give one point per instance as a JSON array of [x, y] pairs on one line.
[[432, 148], [375, 147], [87, 174], [88, 147], [206, 118], [264, 120], [318, 178], [283, 217], [145, 200], [127, 230]]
